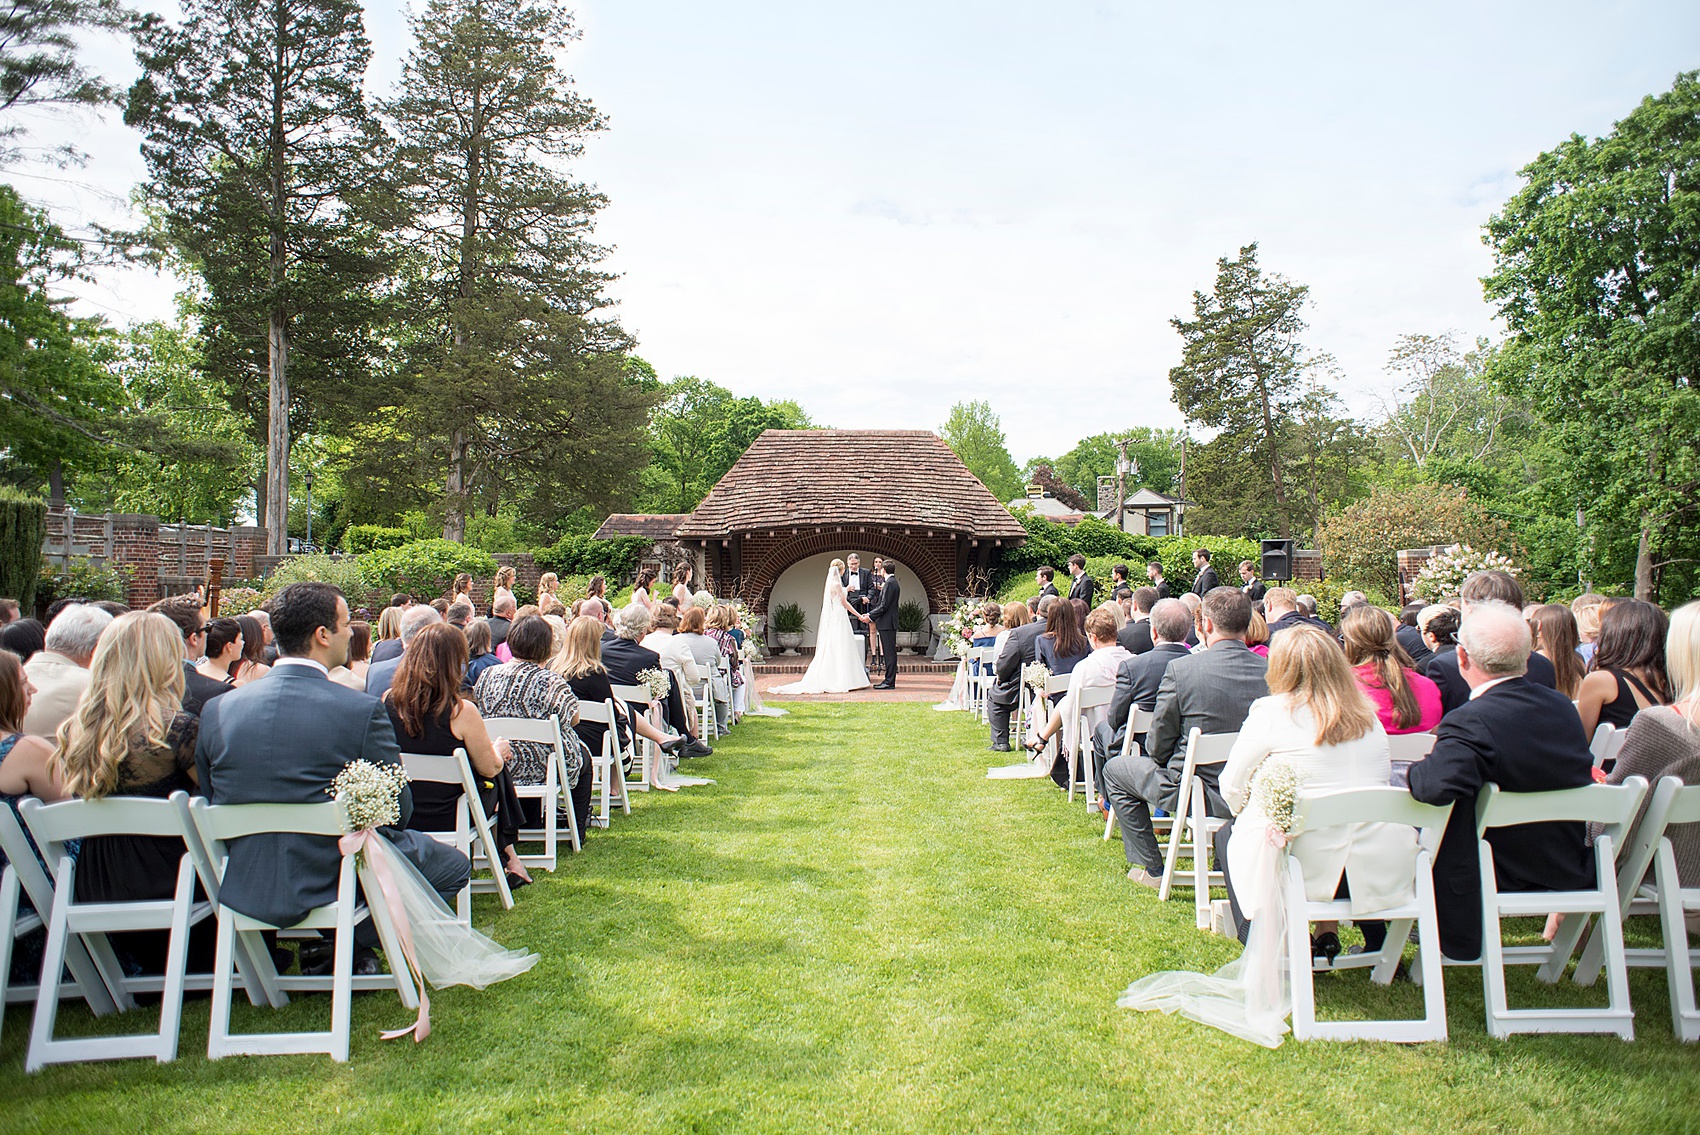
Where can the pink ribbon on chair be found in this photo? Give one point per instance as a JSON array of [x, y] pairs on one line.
[[362, 840]]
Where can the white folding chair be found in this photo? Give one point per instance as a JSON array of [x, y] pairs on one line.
[[1139, 723], [1409, 746], [1314, 812], [723, 689], [609, 782], [708, 725], [53, 825], [1092, 697], [1611, 805], [24, 878], [471, 836], [1192, 827], [552, 793], [217, 825], [645, 752], [1608, 739], [1672, 803]]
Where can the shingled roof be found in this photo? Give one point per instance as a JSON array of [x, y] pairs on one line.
[[656, 526], [901, 478]]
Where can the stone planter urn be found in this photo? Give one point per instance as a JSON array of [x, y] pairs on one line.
[[908, 640], [788, 643]]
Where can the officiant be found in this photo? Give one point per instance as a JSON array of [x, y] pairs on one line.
[[858, 589]]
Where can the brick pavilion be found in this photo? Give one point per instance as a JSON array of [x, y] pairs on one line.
[[797, 494]]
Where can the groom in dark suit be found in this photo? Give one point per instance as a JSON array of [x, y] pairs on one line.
[[883, 617], [858, 591]]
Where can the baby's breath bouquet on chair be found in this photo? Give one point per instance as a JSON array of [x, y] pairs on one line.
[[656, 682], [1276, 796], [1036, 676], [371, 794]]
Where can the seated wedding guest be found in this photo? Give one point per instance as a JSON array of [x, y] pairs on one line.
[[8, 611], [26, 764], [557, 631], [1013, 615], [353, 672], [527, 687], [1554, 629], [988, 620], [60, 670], [1064, 643], [502, 617], [131, 737], [1257, 635], [1136, 637], [1487, 587], [416, 618], [1350, 600], [1138, 679], [1113, 609], [706, 651], [429, 715], [503, 588], [1586, 607], [640, 588], [624, 657], [479, 655], [224, 650], [1095, 671], [1666, 742], [1628, 671], [459, 614], [580, 664], [258, 649], [198, 689], [24, 638], [1438, 624], [1404, 700], [676, 657], [1019, 649], [1194, 604], [1316, 720], [1281, 610], [1411, 636], [1521, 736], [389, 644], [1124, 600], [719, 621], [553, 606], [441, 606], [282, 741], [1210, 689]]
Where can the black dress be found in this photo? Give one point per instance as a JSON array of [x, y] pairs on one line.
[[1624, 707], [121, 868], [591, 689], [434, 804]]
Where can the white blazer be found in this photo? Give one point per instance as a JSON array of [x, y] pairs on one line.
[[1379, 860], [676, 658]]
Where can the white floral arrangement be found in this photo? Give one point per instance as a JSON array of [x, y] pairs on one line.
[[1442, 576], [740, 612], [958, 630], [372, 793], [1276, 796], [703, 599], [657, 682], [1036, 676], [750, 651]]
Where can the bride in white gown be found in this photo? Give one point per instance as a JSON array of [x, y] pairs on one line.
[[837, 665]]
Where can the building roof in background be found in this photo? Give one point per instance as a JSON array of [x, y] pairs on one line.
[[891, 478], [655, 526]]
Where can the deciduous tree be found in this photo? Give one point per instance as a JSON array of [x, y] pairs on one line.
[[975, 434]]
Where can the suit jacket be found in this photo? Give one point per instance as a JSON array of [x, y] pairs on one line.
[[499, 628], [379, 676], [1138, 681], [1083, 587], [59, 684], [859, 598], [282, 741], [1523, 737], [883, 612], [390, 648], [1255, 590], [1135, 637], [1206, 580], [1412, 640], [198, 690], [1020, 648], [1049, 589], [1208, 689], [1455, 691], [1163, 591], [625, 659]]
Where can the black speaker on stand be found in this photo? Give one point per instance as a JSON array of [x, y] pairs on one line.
[[1277, 560]]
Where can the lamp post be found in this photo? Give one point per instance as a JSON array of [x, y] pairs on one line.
[[307, 479], [1123, 467]]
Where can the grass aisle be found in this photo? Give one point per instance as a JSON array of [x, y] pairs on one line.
[[856, 931]]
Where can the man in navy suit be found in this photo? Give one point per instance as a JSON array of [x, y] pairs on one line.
[[1020, 648], [1521, 736], [282, 741], [882, 616], [1485, 587], [1138, 679]]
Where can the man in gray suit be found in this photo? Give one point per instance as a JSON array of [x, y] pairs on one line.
[[1139, 679], [379, 675], [1020, 648], [283, 741], [1211, 689]]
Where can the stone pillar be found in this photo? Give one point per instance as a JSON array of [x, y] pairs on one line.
[[1307, 564], [135, 547], [248, 544], [1411, 561]]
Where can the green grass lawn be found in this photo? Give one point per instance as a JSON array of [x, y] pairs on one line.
[[854, 930]]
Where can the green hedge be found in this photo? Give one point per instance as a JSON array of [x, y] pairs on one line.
[[23, 526], [1226, 552], [82, 578], [360, 538], [1050, 542], [424, 568], [613, 559]]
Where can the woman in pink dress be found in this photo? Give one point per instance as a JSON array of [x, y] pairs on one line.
[[1404, 700]]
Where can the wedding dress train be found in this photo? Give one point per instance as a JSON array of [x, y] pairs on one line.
[[837, 665]]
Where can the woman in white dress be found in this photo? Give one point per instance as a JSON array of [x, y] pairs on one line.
[[837, 665]]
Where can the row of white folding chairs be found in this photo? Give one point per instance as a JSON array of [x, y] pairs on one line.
[[981, 678], [472, 834], [77, 930]]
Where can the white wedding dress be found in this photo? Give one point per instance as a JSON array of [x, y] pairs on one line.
[[837, 665]]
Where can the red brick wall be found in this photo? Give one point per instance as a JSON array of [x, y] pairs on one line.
[[135, 545]]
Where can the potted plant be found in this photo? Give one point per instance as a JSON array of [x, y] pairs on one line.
[[788, 624], [911, 618]]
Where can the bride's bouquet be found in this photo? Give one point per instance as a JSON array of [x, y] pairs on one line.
[[657, 682], [959, 629], [371, 793], [1036, 676]]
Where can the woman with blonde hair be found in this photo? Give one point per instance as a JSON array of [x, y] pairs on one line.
[[1317, 724], [130, 737], [579, 661], [462, 586], [1257, 634], [1405, 701], [503, 588], [548, 584], [1586, 608], [720, 621]]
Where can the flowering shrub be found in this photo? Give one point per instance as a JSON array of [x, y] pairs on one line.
[[233, 601], [1443, 575]]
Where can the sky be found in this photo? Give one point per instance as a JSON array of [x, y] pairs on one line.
[[885, 209]]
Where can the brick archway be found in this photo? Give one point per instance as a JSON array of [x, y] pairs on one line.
[[931, 559]]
